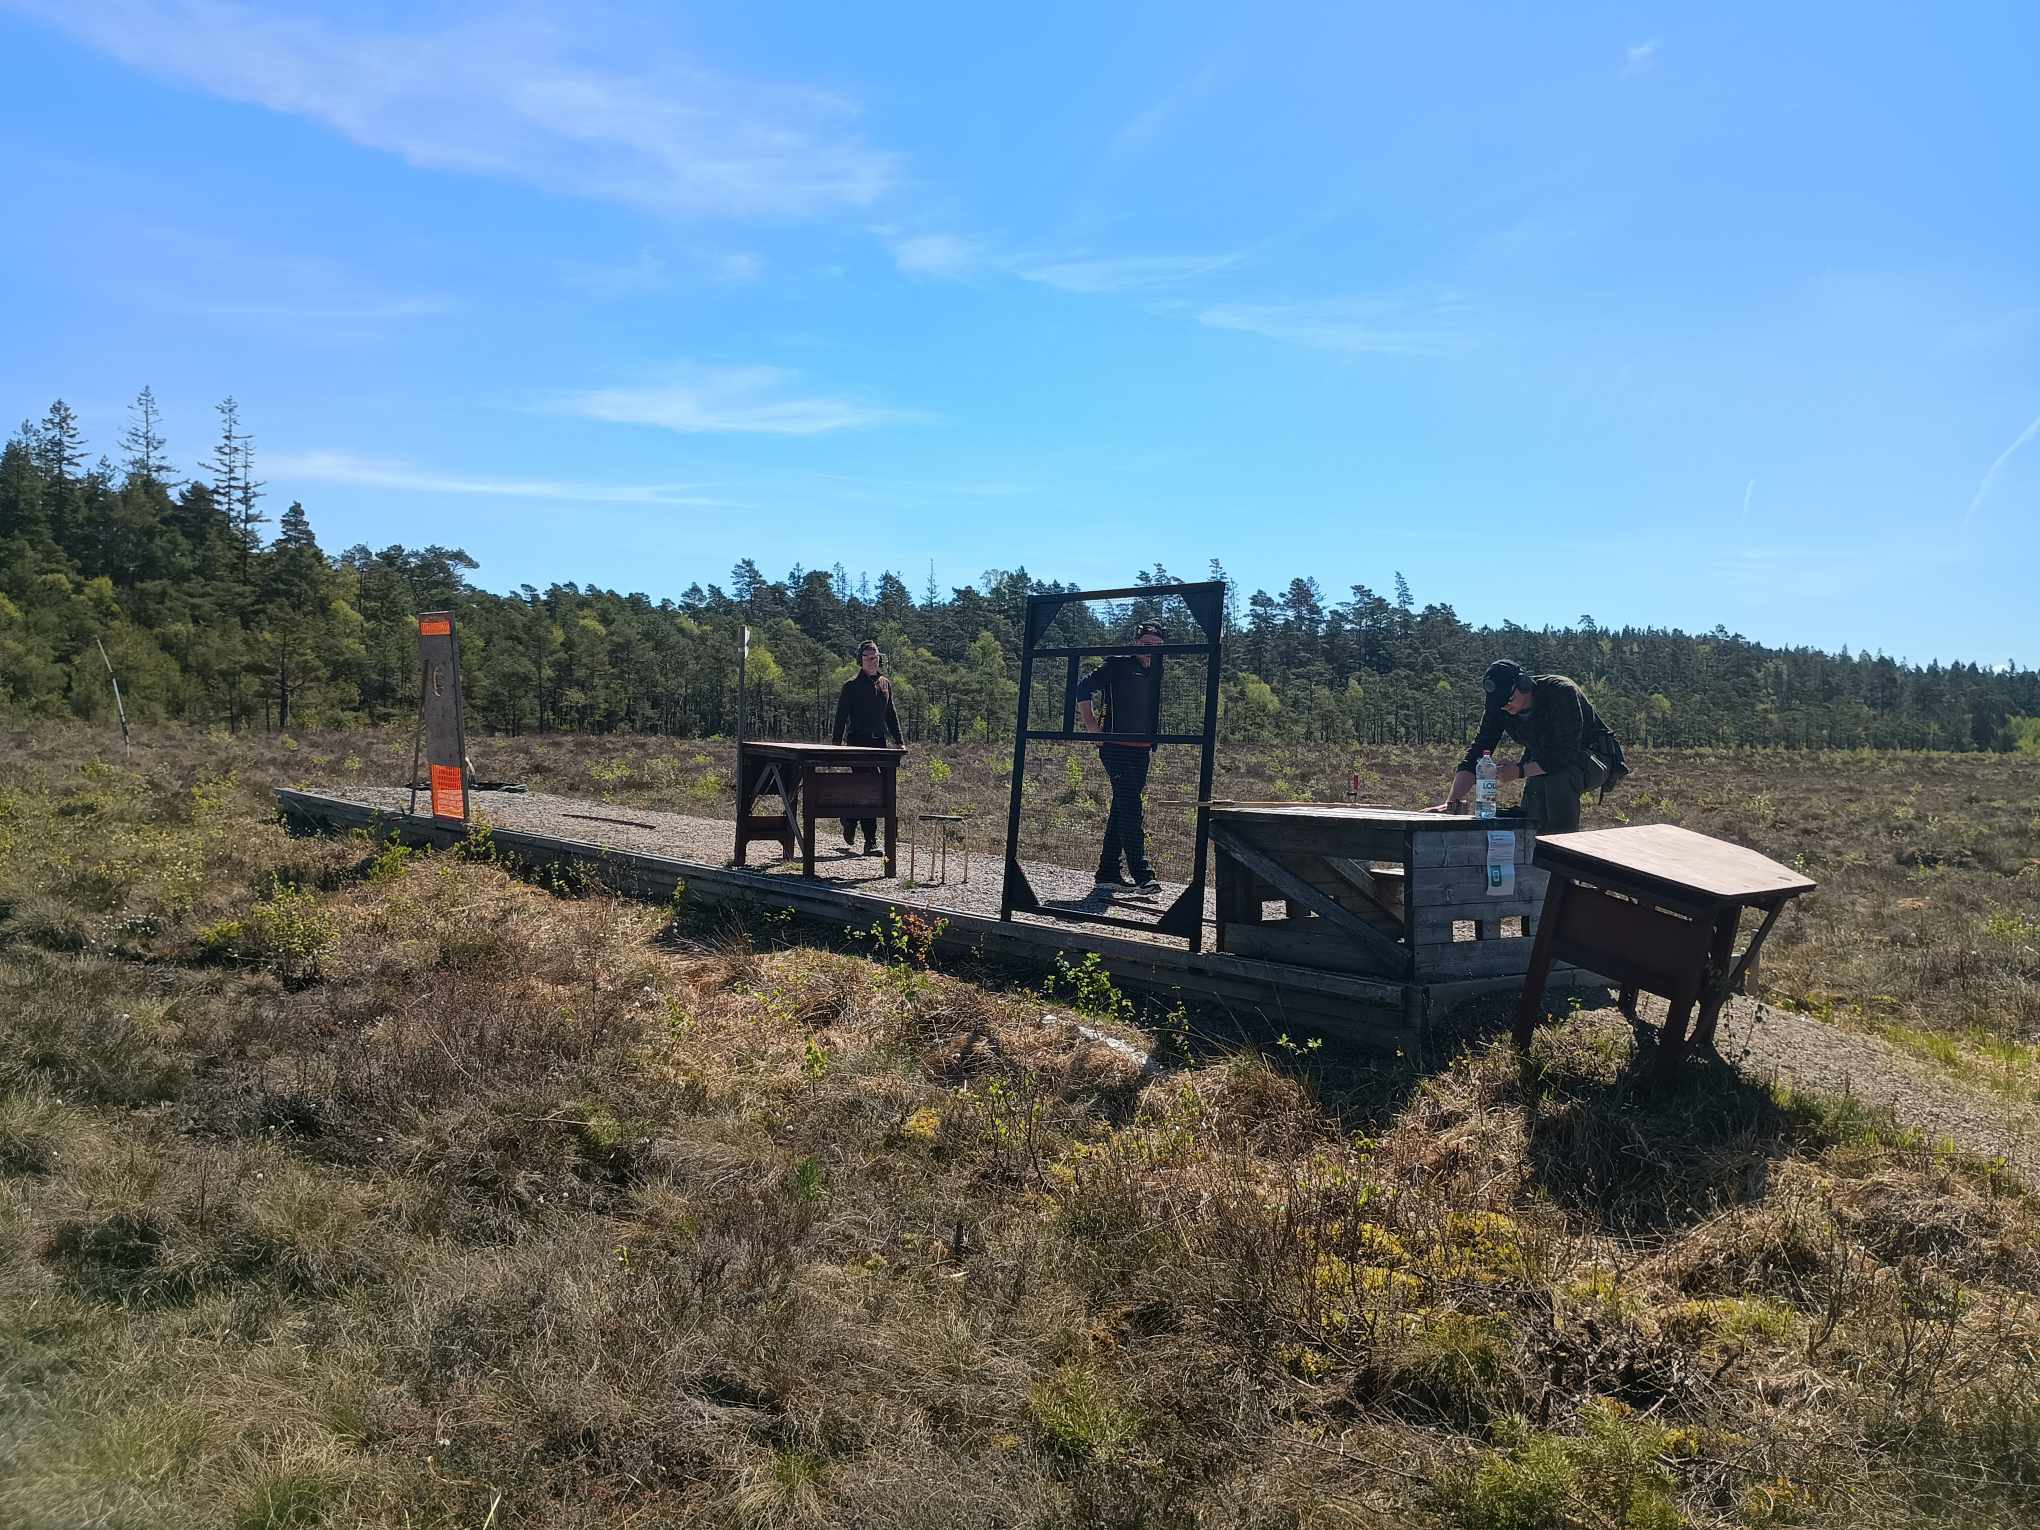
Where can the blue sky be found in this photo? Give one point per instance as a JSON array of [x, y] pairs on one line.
[[1674, 315]]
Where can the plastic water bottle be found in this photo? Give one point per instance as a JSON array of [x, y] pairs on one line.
[[1487, 781]]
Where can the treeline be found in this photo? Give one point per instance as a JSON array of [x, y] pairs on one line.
[[207, 617]]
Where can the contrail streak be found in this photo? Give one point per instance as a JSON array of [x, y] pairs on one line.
[[1990, 478], [1746, 493]]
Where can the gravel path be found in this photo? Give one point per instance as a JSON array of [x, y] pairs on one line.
[[708, 841], [1760, 1041], [1810, 1054]]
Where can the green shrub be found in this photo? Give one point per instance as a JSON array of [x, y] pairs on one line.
[[1087, 987], [1613, 1473], [1078, 1416], [390, 861], [289, 931]]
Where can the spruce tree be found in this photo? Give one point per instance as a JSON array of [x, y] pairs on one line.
[[58, 446], [234, 486], [144, 441], [295, 600]]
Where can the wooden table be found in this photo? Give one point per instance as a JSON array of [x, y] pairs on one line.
[[815, 781], [1656, 908], [1379, 891]]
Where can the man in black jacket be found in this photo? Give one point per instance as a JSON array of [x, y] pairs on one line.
[[1133, 705], [865, 716], [1561, 734]]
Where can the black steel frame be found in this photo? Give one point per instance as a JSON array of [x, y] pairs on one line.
[[1206, 602]]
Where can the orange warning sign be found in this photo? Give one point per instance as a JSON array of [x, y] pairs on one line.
[[434, 626], [447, 793]]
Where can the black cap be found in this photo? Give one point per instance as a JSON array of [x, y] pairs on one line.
[[1503, 677], [1146, 627]]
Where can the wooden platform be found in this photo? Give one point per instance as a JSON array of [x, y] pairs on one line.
[[1382, 1015], [1403, 896]]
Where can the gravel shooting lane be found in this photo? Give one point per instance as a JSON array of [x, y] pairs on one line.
[[709, 841], [1762, 1042]]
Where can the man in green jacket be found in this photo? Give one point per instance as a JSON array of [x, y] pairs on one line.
[[1560, 733]]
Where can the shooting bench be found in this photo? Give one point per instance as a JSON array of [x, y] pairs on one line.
[[815, 781], [1421, 898], [1655, 907]]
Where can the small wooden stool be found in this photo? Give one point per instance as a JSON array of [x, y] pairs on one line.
[[948, 826], [1655, 907]]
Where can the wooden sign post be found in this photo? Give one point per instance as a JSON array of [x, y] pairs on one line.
[[445, 731], [743, 681]]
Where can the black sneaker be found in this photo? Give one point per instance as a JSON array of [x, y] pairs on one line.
[[1109, 881], [1148, 885]]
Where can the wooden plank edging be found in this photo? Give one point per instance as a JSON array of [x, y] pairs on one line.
[[1363, 1010]]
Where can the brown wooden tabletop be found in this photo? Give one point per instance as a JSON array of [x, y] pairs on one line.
[[823, 754], [1344, 813], [1676, 860]]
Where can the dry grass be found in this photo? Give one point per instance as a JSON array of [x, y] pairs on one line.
[[342, 1186]]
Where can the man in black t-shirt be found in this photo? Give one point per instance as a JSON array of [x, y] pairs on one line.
[[1133, 705], [865, 716]]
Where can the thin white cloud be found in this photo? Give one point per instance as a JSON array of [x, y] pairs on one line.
[[1990, 477], [534, 95], [1140, 132], [640, 276], [881, 490], [729, 400], [1353, 325], [1641, 57], [308, 299], [1129, 273], [324, 319], [738, 268], [376, 473], [747, 486], [1748, 489], [934, 254], [1827, 570], [649, 273], [951, 256]]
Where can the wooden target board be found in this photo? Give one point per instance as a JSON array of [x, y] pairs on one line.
[[445, 734]]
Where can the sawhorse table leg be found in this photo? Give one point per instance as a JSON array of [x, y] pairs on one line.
[[891, 794], [807, 820], [1534, 980]]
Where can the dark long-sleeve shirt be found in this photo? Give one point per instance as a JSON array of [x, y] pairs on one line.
[[1131, 694], [864, 712], [1555, 731]]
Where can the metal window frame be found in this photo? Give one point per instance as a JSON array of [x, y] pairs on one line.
[[1206, 603]]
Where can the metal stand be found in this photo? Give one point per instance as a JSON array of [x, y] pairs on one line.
[[947, 826], [1206, 601]]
